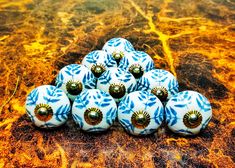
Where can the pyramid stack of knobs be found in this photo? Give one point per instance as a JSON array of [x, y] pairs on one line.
[[118, 83]]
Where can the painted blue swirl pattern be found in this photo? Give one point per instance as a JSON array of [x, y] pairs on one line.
[[94, 98], [55, 98]]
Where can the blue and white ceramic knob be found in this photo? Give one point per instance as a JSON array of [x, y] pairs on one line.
[[137, 63], [94, 110], [160, 82], [188, 112], [140, 113], [47, 106], [75, 78], [117, 82], [117, 46], [98, 61]]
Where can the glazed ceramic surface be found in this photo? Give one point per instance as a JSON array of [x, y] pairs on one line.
[[99, 58], [137, 61], [159, 78], [94, 110], [74, 78], [47, 106], [140, 113], [117, 77], [188, 112], [117, 47]]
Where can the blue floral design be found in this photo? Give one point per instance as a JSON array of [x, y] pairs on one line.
[[171, 116], [32, 98], [203, 103], [128, 46], [181, 96], [100, 100], [105, 77], [127, 125], [59, 80], [62, 112], [73, 69], [49, 95], [126, 105], [124, 63], [127, 108], [158, 115], [92, 57], [89, 80], [111, 115], [78, 120], [143, 84], [109, 61], [118, 42], [52, 94]]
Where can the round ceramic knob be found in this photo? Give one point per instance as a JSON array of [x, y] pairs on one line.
[[160, 82], [140, 113], [137, 63], [117, 82], [74, 78], [98, 61], [47, 106], [188, 112], [94, 110], [116, 47]]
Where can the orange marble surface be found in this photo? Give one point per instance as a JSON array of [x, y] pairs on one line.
[[194, 39]]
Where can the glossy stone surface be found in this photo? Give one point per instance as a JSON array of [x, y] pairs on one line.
[[47, 106], [188, 112], [137, 62], [75, 78], [117, 82], [98, 61], [94, 110], [160, 82], [140, 113]]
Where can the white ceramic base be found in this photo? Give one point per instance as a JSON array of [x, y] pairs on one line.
[[117, 76], [94, 98], [137, 57], [180, 104], [140, 101], [75, 72], [159, 78], [53, 97]]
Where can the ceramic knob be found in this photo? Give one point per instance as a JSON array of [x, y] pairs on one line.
[[160, 82], [94, 110], [140, 113], [47, 106], [116, 47], [137, 63], [98, 61], [188, 112], [117, 82], [74, 78]]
